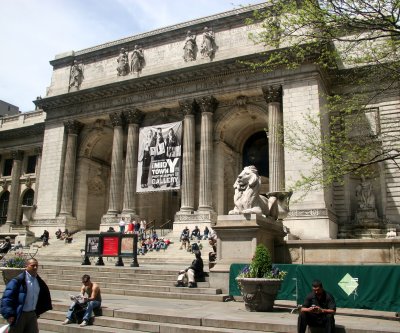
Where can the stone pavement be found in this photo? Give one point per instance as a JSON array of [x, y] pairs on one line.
[[233, 314]]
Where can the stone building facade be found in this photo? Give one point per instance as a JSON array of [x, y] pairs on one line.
[[83, 139]]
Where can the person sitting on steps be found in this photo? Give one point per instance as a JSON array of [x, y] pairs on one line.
[[318, 310], [91, 295], [193, 273]]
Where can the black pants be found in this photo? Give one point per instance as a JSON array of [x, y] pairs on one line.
[[315, 320]]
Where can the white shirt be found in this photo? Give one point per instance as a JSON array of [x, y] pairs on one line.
[[32, 292]]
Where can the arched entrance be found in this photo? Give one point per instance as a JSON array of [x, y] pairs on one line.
[[255, 152], [4, 199], [241, 141], [93, 174]]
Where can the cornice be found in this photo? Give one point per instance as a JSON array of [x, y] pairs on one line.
[[21, 132], [199, 73], [147, 39]]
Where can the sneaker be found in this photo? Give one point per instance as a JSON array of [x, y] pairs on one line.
[[84, 323], [179, 284], [67, 321], [192, 285]]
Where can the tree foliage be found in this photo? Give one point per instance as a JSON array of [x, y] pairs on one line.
[[356, 44]]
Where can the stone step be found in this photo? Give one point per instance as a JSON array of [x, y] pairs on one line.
[[117, 272], [147, 322], [55, 326], [199, 294], [127, 283]]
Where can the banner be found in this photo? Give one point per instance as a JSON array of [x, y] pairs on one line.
[[159, 158]]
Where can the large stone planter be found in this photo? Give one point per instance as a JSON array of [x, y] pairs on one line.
[[259, 294], [10, 272]]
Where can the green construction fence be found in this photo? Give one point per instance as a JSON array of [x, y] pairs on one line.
[[375, 287]]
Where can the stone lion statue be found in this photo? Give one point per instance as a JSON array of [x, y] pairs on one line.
[[247, 196]]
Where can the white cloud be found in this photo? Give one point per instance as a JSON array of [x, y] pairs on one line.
[[32, 32]]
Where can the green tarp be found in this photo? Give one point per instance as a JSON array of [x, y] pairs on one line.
[[373, 287]]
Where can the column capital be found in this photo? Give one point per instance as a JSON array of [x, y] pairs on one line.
[[207, 104], [73, 126], [272, 94], [188, 106], [116, 119], [133, 115], [38, 150], [17, 155]]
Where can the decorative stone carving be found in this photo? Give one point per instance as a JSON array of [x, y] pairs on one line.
[[208, 46], [96, 184], [365, 195], [76, 76], [187, 106], [123, 63], [247, 196], [207, 104], [190, 47], [28, 182], [116, 119], [294, 255], [4, 184], [137, 62], [17, 155], [133, 116], [272, 94], [73, 126], [242, 100]]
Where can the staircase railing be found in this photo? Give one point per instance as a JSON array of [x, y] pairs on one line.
[[166, 228]]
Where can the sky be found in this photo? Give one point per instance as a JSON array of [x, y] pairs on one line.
[[32, 32]]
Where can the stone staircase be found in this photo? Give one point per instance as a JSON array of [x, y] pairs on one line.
[[157, 282], [59, 251]]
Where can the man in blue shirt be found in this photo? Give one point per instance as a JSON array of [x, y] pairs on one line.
[[25, 298]]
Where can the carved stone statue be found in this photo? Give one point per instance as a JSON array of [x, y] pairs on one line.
[[76, 76], [137, 61], [247, 196], [190, 47], [365, 195], [123, 63], [208, 46]]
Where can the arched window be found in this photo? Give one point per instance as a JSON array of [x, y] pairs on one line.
[[255, 152], [4, 206], [27, 200]]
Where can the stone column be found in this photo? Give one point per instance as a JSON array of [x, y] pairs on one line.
[[134, 117], [207, 106], [38, 152], [15, 188], [72, 127], [116, 165], [273, 96], [188, 157]]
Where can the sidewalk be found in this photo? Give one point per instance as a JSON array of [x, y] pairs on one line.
[[280, 320]]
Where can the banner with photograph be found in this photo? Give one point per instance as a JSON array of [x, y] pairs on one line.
[[159, 158]]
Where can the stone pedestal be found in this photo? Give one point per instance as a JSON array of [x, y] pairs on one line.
[[27, 212], [191, 219], [238, 237], [25, 236]]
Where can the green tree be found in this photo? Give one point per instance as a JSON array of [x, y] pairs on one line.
[[355, 44]]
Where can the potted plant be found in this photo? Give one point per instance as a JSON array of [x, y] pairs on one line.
[[259, 282], [11, 265]]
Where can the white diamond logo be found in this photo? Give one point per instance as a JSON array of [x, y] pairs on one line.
[[348, 284]]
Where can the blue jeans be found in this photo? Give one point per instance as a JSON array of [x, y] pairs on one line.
[[88, 313]]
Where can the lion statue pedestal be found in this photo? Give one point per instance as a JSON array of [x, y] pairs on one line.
[[255, 219], [238, 237]]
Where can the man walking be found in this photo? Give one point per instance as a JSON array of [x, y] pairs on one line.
[[92, 300], [25, 298]]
